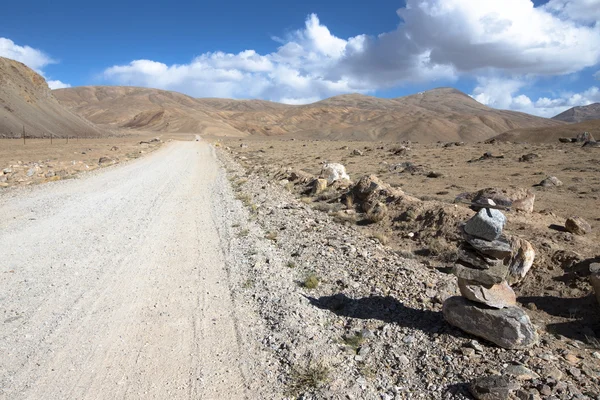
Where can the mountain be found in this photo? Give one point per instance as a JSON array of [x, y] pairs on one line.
[[551, 134], [144, 109], [439, 114], [27, 102], [580, 114]]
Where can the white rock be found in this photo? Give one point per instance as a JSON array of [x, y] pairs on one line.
[[334, 172]]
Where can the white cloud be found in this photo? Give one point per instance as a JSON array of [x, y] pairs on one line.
[[33, 58], [55, 84], [503, 94], [436, 40], [581, 10]]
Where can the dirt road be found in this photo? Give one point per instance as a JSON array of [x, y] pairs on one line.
[[115, 286]]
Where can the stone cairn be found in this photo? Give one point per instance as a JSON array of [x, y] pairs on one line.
[[488, 263]]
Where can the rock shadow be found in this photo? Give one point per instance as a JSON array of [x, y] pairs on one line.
[[583, 312], [386, 309]]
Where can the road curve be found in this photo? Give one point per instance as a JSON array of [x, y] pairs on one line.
[[114, 285]]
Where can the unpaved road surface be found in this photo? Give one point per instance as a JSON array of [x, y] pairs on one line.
[[115, 286]]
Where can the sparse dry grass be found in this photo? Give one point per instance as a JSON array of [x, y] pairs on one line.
[[308, 378], [311, 281]]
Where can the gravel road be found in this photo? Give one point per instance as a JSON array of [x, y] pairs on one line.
[[115, 285]]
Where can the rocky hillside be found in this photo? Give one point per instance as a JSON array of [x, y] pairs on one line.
[[144, 109], [439, 114], [26, 101], [550, 134], [580, 114]]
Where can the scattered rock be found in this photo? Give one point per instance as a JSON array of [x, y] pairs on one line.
[[577, 226], [520, 372], [498, 296], [486, 156], [319, 185], [529, 157], [509, 327], [333, 172], [434, 174], [378, 212], [486, 224], [566, 140], [7, 171], [591, 144], [114, 148], [521, 261], [550, 181], [493, 387], [514, 198], [357, 152], [105, 160], [585, 137]]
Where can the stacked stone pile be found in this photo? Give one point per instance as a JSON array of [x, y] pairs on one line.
[[488, 263]]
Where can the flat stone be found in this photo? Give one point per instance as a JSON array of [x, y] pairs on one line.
[[577, 226], [491, 276], [497, 296], [493, 387], [499, 248], [520, 372], [486, 224], [517, 199], [508, 327], [468, 255]]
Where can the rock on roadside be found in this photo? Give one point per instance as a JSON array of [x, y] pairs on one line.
[[508, 327]]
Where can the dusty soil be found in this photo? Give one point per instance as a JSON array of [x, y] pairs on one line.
[[117, 285], [39, 161], [557, 291]]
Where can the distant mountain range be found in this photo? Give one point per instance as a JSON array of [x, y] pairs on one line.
[[442, 114], [439, 114], [580, 114]]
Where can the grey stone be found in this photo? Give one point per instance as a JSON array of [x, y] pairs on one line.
[[486, 224], [550, 181], [467, 255], [31, 172], [493, 387], [520, 372], [499, 248], [490, 276], [508, 327], [577, 226]]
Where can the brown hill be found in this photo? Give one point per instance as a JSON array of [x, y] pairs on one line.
[[580, 114], [144, 109], [551, 134], [439, 114], [26, 101]]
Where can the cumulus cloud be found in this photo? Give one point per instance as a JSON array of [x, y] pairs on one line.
[[55, 84], [504, 94], [33, 58], [436, 40]]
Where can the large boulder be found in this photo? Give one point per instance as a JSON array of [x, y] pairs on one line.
[[515, 198], [487, 224], [577, 226], [509, 327], [334, 172], [500, 295], [370, 190]]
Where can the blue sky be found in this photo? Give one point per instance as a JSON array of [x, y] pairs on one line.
[[538, 57]]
